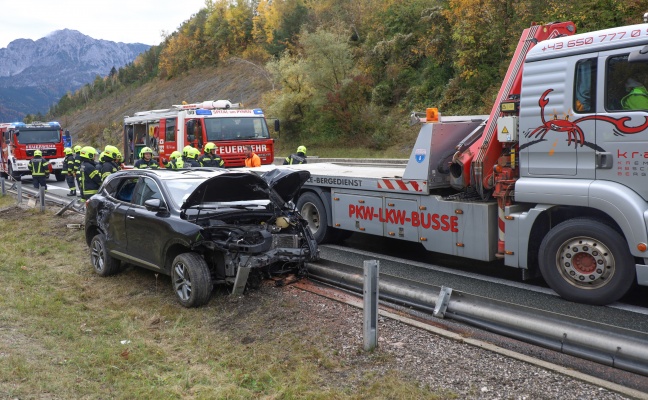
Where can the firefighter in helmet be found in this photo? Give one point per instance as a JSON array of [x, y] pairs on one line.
[[110, 163], [176, 161], [210, 158], [68, 168], [296, 158], [77, 167], [90, 176], [185, 152], [39, 169], [192, 155], [146, 160]]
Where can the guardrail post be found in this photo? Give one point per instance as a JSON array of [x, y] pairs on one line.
[[2, 185], [370, 297], [19, 190], [41, 197]]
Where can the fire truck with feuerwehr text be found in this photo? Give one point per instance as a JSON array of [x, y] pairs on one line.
[[226, 124], [19, 141]]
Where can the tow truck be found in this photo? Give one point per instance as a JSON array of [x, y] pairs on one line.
[[553, 182]]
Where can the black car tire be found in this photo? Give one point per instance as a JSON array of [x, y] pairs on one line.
[[102, 262], [573, 248], [191, 280], [59, 176]]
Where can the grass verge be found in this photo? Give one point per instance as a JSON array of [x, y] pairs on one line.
[[68, 333]]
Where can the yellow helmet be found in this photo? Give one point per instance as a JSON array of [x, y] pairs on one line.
[[68, 151], [185, 150], [38, 153], [77, 148], [175, 155], [209, 147], [301, 149], [111, 151], [146, 150], [88, 152], [192, 153]]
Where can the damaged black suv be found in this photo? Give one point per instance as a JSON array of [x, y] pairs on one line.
[[200, 226]]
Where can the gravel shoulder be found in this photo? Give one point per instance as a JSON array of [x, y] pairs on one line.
[[448, 367]]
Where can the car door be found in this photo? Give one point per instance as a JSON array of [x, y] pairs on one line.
[[147, 231], [111, 218]]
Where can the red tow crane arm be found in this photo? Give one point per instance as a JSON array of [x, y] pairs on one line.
[[477, 162]]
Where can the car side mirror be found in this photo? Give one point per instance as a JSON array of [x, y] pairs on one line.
[[155, 205]]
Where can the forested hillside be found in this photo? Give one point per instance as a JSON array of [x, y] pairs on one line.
[[336, 72]]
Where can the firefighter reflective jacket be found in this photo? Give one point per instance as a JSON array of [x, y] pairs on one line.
[[142, 163], [178, 163], [68, 164], [38, 166], [107, 168], [211, 160], [90, 178], [295, 159]]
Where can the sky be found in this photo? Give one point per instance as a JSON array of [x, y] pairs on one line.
[[128, 21]]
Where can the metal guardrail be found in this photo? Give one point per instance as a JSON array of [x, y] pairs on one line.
[[17, 188], [616, 347]]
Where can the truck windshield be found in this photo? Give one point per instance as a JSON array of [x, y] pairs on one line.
[[235, 128], [34, 136]]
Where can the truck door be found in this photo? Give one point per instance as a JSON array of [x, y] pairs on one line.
[[622, 155], [554, 139]]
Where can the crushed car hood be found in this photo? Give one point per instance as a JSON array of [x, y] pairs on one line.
[[240, 186]]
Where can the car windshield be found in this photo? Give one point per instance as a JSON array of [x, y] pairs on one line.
[[39, 136], [235, 128], [180, 189]]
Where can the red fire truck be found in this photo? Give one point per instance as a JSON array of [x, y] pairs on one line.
[[19, 140], [226, 124]]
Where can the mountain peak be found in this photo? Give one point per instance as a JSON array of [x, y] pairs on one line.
[[45, 69]]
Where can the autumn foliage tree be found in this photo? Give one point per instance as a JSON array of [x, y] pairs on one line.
[[348, 71]]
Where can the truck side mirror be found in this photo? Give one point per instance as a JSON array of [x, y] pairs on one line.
[[190, 127], [639, 56], [276, 125]]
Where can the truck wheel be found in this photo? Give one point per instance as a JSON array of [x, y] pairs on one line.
[[587, 262], [59, 176], [15, 176], [191, 280], [102, 262], [312, 209]]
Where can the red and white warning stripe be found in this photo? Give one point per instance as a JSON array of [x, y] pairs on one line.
[[398, 184]]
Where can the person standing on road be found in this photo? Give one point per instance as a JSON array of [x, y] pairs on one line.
[[296, 158], [39, 169], [110, 164], [90, 176], [251, 159], [210, 158], [146, 160], [77, 167], [68, 168]]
